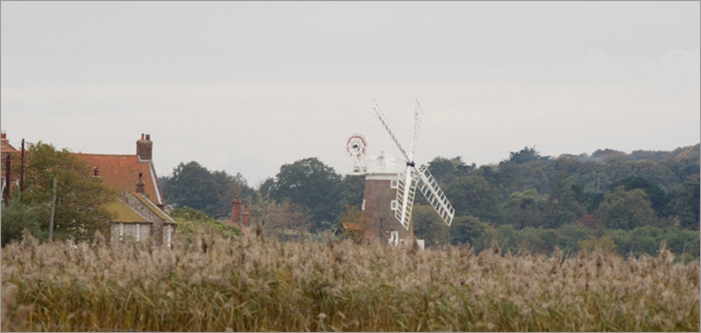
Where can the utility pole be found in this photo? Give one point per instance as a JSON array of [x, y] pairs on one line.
[[8, 174], [21, 173], [53, 207]]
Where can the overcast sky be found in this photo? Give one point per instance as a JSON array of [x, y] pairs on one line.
[[246, 87]]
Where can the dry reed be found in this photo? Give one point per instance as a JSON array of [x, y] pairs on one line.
[[217, 284]]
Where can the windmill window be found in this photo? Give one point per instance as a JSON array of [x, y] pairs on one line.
[[394, 183], [393, 205]]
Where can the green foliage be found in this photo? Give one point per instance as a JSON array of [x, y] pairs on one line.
[[193, 222], [561, 206], [429, 226], [524, 209], [627, 210], [466, 230], [657, 196], [446, 170], [80, 199], [312, 185], [683, 205], [18, 216], [472, 195], [195, 186], [351, 190], [526, 155]]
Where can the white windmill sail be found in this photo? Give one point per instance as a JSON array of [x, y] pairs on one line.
[[412, 177], [406, 187], [435, 196]]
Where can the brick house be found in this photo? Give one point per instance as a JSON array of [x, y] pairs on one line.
[[139, 206], [10, 157]]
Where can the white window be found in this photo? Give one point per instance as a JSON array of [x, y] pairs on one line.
[[393, 205], [394, 183], [362, 207], [121, 231], [138, 231]]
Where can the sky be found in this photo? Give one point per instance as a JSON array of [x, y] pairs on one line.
[[247, 87]]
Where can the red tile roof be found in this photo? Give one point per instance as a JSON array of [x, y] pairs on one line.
[[121, 172], [7, 147]]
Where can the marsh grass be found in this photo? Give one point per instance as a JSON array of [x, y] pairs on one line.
[[217, 284]]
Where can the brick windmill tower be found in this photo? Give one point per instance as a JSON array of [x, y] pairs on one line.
[[379, 198], [390, 187]]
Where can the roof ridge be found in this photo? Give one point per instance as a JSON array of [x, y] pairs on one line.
[[130, 155]]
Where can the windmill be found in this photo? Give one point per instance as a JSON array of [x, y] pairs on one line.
[[412, 178]]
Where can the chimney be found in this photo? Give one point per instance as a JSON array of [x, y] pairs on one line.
[[140, 184], [144, 147], [236, 210], [246, 216], [96, 174]]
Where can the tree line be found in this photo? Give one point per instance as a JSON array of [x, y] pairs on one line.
[[608, 190], [527, 200]]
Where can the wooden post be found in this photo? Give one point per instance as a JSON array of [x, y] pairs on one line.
[[21, 173], [8, 175], [53, 207]]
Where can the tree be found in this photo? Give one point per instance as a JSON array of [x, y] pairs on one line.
[[627, 210], [18, 215], [80, 199], [194, 186], [657, 196], [561, 206], [472, 195], [445, 170], [684, 205], [526, 155], [312, 185], [466, 229], [429, 226], [355, 223], [283, 220], [352, 190], [524, 209]]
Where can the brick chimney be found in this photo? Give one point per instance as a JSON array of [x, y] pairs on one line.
[[144, 147], [236, 210], [140, 184], [246, 216], [5, 141]]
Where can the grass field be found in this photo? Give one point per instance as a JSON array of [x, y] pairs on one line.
[[216, 284]]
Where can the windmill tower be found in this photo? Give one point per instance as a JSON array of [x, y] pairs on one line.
[[390, 187], [380, 173]]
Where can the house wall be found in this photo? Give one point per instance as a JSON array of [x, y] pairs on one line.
[[129, 231], [157, 227]]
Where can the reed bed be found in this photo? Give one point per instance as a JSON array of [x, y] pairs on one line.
[[242, 284]]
